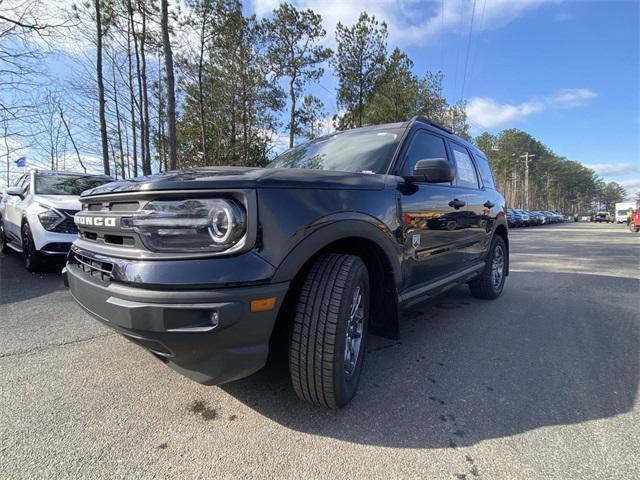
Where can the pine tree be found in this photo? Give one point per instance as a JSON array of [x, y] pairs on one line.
[[295, 53], [359, 64]]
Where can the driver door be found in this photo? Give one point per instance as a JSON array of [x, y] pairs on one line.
[[435, 220]]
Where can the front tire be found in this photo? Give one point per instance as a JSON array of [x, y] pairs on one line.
[[33, 260], [490, 283], [3, 240], [327, 345]]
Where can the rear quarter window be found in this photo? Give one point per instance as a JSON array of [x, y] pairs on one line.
[[485, 170]]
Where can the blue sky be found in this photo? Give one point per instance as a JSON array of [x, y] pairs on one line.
[[565, 71]]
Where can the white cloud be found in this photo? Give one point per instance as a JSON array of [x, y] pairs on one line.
[[487, 113], [632, 186], [412, 21], [484, 112], [573, 98], [621, 168]]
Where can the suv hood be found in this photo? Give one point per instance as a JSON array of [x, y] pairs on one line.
[[244, 177], [64, 202]]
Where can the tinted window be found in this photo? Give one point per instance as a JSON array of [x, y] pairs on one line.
[[466, 175], [56, 184], [358, 151], [485, 170], [423, 145]]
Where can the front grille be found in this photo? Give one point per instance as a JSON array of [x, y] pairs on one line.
[[130, 206], [95, 268], [116, 236], [67, 226]]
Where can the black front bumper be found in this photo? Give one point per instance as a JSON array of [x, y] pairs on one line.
[[177, 325]]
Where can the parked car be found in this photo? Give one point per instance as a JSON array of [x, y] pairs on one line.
[[537, 218], [603, 217], [524, 216], [200, 267], [36, 217], [514, 219]]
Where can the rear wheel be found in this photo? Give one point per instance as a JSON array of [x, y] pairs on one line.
[[634, 228], [33, 260], [490, 283], [326, 350]]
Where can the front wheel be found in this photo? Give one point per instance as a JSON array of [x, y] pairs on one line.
[[33, 261], [490, 283], [327, 345], [3, 240], [634, 228]]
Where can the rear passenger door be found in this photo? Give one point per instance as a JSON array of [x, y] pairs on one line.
[[433, 215], [473, 193]]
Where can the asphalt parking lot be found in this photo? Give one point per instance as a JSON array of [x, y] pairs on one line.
[[541, 383]]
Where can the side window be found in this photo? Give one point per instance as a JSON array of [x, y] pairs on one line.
[[466, 175], [423, 145], [485, 170]]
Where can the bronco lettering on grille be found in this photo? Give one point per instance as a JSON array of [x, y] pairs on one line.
[[95, 221]]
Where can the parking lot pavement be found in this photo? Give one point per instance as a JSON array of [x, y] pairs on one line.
[[541, 383]]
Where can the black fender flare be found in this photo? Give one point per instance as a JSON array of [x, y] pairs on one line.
[[333, 228]]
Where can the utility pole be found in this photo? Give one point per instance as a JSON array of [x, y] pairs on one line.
[[526, 157]]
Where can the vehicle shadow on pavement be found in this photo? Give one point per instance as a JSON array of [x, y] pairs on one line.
[[548, 352], [17, 284]]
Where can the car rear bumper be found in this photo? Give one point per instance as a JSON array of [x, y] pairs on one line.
[[210, 336]]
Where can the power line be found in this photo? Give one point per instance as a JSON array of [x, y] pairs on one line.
[[444, 43], [480, 27], [466, 62]]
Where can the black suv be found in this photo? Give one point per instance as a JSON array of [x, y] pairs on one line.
[[202, 266]]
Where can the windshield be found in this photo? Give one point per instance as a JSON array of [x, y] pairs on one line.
[[622, 212], [67, 184], [368, 151]]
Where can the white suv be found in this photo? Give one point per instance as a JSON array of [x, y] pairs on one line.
[[36, 215]]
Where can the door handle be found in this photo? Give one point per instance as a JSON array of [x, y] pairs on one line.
[[455, 203], [489, 204]]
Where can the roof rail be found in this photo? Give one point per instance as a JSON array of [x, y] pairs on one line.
[[423, 119]]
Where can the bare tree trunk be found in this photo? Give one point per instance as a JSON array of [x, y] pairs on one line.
[[101, 101], [162, 154], [115, 162], [118, 126], [132, 96], [292, 117], [203, 129], [171, 93], [137, 49], [75, 147], [146, 160]]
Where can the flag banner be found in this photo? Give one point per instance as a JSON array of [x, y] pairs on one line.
[[21, 162]]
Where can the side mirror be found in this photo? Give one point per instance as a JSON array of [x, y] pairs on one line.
[[15, 191], [433, 170]]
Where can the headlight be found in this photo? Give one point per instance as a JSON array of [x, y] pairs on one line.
[[50, 219], [191, 225]]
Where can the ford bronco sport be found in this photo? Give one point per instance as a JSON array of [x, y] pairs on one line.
[[328, 242]]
